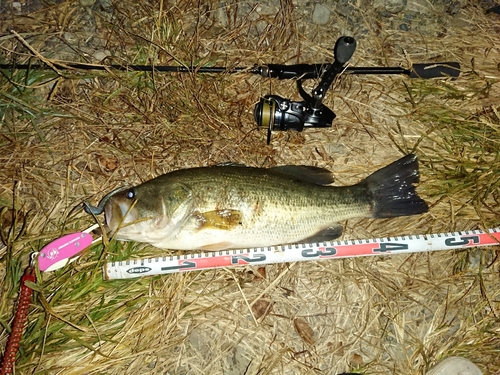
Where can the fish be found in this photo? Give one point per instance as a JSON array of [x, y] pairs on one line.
[[237, 207]]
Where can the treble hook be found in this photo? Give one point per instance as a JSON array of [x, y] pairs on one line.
[[93, 210]]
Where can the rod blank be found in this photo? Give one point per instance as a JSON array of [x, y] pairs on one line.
[[279, 71]]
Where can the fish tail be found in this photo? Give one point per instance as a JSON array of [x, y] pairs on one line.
[[392, 191]]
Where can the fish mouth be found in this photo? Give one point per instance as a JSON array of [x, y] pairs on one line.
[[118, 214]]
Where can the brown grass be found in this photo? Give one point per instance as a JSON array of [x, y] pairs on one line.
[[72, 135]]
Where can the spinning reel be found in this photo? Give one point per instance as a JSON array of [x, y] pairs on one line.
[[280, 114]]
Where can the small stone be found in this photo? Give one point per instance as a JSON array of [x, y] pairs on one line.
[[107, 5], [453, 7], [221, 16], [345, 8], [396, 6], [321, 15], [391, 6], [87, 3], [404, 27], [260, 27], [267, 10], [70, 38], [18, 7], [101, 55], [408, 17], [385, 14], [335, 148]]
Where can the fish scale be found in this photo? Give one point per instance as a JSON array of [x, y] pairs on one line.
[[285, 212]]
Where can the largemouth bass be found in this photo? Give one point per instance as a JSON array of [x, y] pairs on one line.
[[230, 206]]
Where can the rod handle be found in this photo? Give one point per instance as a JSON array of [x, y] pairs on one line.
[[435, 70], [282, 71]]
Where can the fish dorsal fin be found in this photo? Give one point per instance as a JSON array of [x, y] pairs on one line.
[[302, 173], [230, 164], [305, 173]]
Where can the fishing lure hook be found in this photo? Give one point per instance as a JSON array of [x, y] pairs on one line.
[[99, 209]]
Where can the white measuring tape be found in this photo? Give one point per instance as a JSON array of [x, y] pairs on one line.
[[300, 253]]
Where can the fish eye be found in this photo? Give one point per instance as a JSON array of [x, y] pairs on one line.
[[131, 194]]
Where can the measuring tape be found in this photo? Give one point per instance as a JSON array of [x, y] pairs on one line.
[[300, 253]]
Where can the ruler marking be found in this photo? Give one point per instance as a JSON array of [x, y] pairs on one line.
[[301, 252]]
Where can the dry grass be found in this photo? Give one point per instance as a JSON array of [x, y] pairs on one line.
[[70, 135]]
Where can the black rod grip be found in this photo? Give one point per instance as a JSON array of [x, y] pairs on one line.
[[435, 70]]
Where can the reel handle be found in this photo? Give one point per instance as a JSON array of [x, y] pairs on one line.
[[344, 49]]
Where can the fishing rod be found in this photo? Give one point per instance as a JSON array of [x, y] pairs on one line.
[[279, 71], [275, 112]]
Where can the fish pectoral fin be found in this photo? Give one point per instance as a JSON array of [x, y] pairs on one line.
[[225, 219], [323, 235], [217, 246]]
